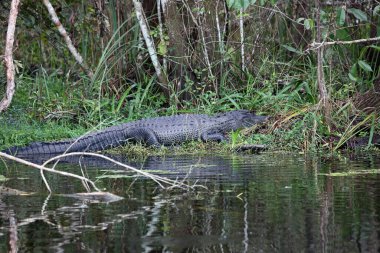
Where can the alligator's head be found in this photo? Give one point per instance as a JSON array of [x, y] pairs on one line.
[[245, 118]]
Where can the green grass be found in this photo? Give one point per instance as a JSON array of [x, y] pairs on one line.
[[19, 129], [50, 107]]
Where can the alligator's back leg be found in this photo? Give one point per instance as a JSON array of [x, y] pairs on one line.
[[212, 136], [143, 135]]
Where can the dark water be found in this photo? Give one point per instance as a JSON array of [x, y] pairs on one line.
[[255, 203]]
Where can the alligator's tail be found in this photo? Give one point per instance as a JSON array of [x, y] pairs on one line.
[[103, 139]]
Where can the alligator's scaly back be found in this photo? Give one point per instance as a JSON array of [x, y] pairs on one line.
[[158, 131], [96, 141]]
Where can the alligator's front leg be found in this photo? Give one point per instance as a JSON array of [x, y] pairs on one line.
[[212, 136], [143, 135]]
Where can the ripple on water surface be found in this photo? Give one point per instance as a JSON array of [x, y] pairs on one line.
[[255, 203]]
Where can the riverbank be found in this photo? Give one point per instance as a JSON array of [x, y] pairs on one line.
[[44, 109]]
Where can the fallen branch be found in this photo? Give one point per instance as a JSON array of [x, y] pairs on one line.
[[158, 179], [316, 45], [42, 167], [67, 39], [8, 57]]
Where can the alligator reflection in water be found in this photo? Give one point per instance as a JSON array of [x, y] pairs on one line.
[[267, 203], [198, 167], [189, 166]]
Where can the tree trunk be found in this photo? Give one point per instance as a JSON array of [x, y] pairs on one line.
[[8, 57], [323, 94], [178, 49], [150, 45]]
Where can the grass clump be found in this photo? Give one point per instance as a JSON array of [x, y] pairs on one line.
[[45, 109]]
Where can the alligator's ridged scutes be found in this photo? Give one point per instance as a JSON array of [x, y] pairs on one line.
[[168, 130]]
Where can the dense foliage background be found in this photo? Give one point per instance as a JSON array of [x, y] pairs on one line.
[[216, 55]]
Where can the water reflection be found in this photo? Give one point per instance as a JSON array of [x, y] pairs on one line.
[[255, 203]]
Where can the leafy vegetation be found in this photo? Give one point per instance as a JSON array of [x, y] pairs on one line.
[[275, 75]]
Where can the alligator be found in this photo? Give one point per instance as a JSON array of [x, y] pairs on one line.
[[156, 132]]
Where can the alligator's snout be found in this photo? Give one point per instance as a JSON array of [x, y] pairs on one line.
[[253, 120]]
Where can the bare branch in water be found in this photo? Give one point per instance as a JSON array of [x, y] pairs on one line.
[[161, 181]]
